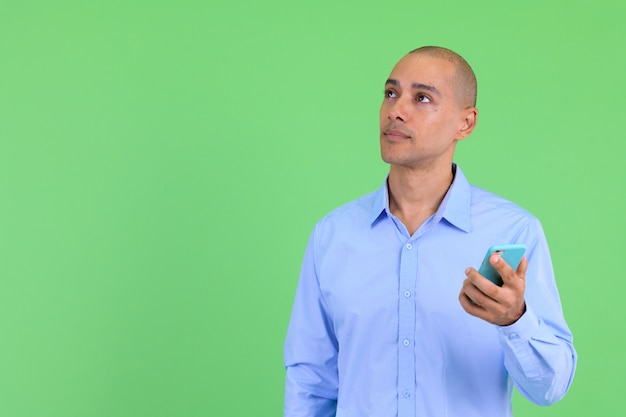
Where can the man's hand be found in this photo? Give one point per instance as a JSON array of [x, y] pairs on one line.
[[498, 305]]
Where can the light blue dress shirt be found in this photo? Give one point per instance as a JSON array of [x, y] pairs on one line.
[[377, 329]]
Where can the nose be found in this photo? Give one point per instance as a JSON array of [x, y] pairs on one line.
[[398, 111]]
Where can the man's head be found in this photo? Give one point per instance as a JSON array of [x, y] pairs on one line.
[[428, 106], [464, 79]]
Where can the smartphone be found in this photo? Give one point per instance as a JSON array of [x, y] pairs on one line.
[[512, 254]]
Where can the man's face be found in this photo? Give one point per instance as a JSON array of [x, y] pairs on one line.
[[420, 116]]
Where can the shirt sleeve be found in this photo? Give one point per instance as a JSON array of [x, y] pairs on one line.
[[538, 349], [310, 348]]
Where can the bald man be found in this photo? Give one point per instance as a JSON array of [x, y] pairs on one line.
[[390, 318]]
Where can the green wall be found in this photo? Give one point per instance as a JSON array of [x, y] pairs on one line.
[[163, 163]]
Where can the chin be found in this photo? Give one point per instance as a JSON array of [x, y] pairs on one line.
[[393, 157], [395, 160]]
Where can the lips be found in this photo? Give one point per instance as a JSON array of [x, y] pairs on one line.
[[396, 134]]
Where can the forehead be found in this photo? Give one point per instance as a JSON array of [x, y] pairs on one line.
[[424, 69]]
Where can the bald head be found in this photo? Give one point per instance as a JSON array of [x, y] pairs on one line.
[[464, 80]]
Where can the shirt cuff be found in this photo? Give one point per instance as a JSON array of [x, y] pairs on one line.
[[523, 329]]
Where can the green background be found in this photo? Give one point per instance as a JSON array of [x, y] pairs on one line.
[[163, 163]]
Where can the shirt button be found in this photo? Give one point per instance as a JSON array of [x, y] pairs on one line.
[[513, 336], [406, 394], [409, 246], [406, 342], [407, 294]]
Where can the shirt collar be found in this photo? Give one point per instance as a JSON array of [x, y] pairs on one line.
[[455, 207]]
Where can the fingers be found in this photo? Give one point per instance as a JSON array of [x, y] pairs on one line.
[[521, 269], [479, 289], [470, 306], [484, 299], [474, 300], [509, 276], [479, 284]]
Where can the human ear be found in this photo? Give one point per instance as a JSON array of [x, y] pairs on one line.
[[468, 122]]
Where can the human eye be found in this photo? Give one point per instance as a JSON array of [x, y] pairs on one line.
[[422, 98], [390, 94]]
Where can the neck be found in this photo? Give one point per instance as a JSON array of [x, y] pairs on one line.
[[415, 194]]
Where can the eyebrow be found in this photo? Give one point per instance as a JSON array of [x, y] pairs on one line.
[[415, 86]]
